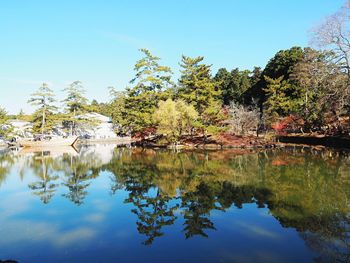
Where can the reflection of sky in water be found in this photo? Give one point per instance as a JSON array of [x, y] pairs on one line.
[[103, 228]]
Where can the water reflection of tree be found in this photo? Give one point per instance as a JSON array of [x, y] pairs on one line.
[[46, 187], [154, 209], [295, 184], [6, 163], [78, 172], [196, 210], [329, 238], [303, 189], [153, 213]]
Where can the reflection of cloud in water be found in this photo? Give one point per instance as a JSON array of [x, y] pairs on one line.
[[27, 230], [14, 204], [94, 218], [252, 256], [79, 234], [101, 205], [257, 231]]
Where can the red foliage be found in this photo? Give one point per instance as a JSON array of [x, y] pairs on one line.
[[144, 133], [288, 124], [279, 126]]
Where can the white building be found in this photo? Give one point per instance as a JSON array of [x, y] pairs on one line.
[[21, 128], [97, 127]]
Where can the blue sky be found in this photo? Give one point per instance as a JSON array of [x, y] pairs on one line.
[[97, 42]]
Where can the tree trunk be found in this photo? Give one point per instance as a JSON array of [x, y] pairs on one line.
[[43, 120]]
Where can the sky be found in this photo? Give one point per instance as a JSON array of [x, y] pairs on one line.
[[97, 42]]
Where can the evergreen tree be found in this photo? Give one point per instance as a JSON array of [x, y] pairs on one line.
[[152, 83], [197, 87], [44, 117], [278, 103], [76, 103], [281, 65]]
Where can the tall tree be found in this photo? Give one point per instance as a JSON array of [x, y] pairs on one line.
[[43, 118], [277, 104], [197, 87], [76, 102], [281, 65], [322, 86], [224, 81], [334, 34], [152, 82]]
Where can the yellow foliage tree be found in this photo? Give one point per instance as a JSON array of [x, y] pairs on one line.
[[175, 118]]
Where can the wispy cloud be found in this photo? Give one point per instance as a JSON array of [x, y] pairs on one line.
[[258, 231]]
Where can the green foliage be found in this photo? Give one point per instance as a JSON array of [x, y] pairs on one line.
[[5, 127], [152, 83], [44, 117], [280, 66], [283, 62], [197, 87], [233, 84], [174, 118], [76, 104], [278, 103], [322, 87], [99, 107]]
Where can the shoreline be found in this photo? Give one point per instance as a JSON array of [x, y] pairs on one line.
[[229, 142], [338, 142]]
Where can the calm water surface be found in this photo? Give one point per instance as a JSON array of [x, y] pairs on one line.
[[106, 204]]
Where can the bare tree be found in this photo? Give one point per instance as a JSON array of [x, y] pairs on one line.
[[334, 34], [243, 119]]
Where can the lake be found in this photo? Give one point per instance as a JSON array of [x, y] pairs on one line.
[[109, 204]]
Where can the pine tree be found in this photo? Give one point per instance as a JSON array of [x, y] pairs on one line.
[[76, 103], [197, 87], [44, 117], [152, 83], [278, 103]]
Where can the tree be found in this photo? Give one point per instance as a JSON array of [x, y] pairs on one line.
[[334, 34], [5, 127], [76, 103], [197, 87], [174, 118], [43, 118], [280, 66], [278, 104], [232, 85], [243, 119], [152, 82], [322, 87]]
